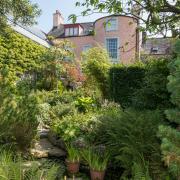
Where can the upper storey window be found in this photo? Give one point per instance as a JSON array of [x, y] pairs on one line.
[[112, 24], [71, 31]]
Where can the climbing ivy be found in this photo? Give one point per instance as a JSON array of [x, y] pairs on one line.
[[18, 55]]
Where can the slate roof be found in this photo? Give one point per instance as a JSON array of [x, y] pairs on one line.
[[59, 32]]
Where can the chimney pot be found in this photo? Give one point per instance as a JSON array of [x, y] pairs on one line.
[[58, 19]]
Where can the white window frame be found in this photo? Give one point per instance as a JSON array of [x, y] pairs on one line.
[[114, 60], [86, 47], [71, 31], [76, 30], [66, 31], [108, 24]]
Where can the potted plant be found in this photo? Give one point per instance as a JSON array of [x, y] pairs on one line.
[[97, 162], [73, 159]]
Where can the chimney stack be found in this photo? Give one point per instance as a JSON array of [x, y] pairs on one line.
[[58, 19]]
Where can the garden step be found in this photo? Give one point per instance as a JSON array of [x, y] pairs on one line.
[[43, 133], [43, 149], [55, 140], [30, 164]]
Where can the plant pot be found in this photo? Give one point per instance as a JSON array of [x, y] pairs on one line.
[[97, 175], [72, 167]]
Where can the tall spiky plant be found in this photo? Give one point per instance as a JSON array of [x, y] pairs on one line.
[[14, 168]]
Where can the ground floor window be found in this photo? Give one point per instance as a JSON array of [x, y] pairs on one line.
[[87, 47], [112, 48]]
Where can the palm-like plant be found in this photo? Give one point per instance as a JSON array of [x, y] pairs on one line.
[[73, 153], [97, 161]]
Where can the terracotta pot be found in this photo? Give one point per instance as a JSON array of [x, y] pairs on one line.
[[72, 167], [97, 175]]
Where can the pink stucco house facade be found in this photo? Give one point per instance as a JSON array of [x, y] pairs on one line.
[[117, 33]]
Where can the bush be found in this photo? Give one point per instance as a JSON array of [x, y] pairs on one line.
[[19, 119], [73, 127], [131, 138], [170, 135], [96, 66], [85, 104], [153, 93], [124, 80]]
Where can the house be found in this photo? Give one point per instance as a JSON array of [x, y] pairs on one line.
[[157, 47], [117, 33]]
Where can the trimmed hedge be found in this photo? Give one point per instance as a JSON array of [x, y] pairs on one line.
[[124, 81], [153, 93]]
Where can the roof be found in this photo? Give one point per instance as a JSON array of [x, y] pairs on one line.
[[32, 33], [158, 46], [59, 32]]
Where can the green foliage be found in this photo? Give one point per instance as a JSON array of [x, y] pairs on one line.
[[48, 75], [131, 138], [96, 160], [19, 121], [96, 66], [72, 127], [73, 153], [15, 168], [53, 107], [170, 134], [23, 11], [85, 104], [18, 55], [153, 93], [124, 80], [160, 14]]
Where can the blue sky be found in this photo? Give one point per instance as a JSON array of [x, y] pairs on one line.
[[66, 7]]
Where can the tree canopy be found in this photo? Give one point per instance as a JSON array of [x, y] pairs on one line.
[[22, 11], [156, 16]]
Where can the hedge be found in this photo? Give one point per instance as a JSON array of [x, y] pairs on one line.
[[123, 81]]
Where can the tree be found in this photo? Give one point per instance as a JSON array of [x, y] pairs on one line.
[[157, 15], [96, 66], [22, 11], [171, 134], [52, 68]]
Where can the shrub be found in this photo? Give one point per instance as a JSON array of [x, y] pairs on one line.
[[153, 93], [85, 104], [170, 134], [96, 66], [72, 127], [61, 110], [19, 120], [124, 80], [131, 138]]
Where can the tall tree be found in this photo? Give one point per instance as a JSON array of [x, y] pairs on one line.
[[157, 15], [22, 11], [171, 134]]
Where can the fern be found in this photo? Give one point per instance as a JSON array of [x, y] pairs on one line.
[[131, 138], [13, 168]]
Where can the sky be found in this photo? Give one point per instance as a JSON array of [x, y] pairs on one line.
[[66, 7]]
